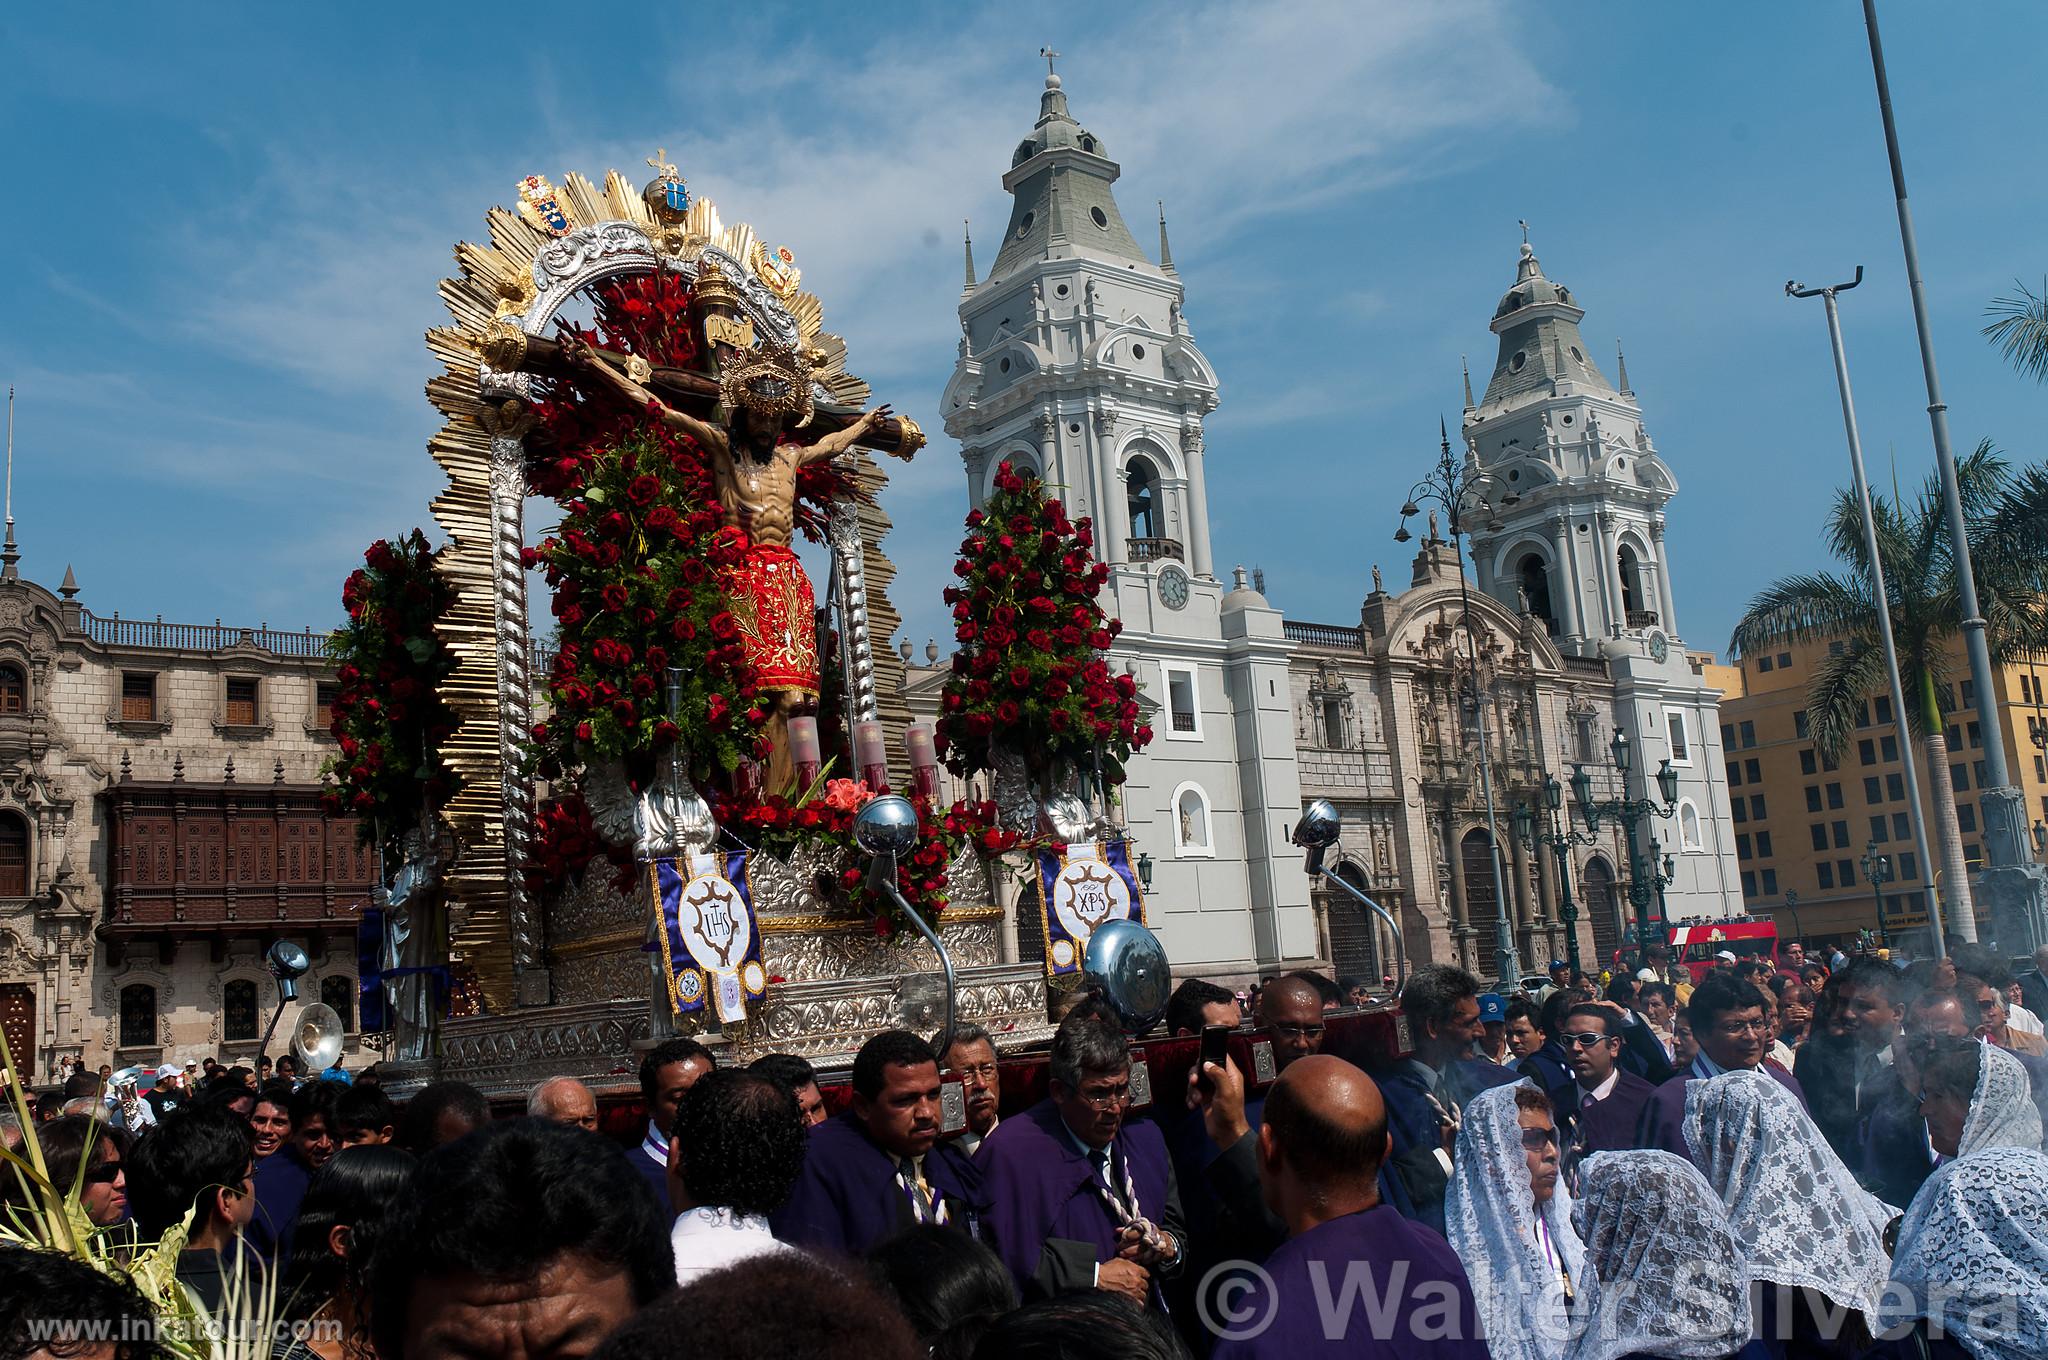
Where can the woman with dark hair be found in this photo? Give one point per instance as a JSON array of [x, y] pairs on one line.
[[949, 1287], [74, 1138], [326, 1275]]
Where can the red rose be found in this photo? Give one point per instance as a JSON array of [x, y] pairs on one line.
[[724, 627], [1007, 712], [583, 731], [614, 598]]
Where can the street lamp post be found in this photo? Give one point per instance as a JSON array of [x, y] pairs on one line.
[[1878, 869], [1455, 489], [1792, 905], [1647, 874], [1560, 839]]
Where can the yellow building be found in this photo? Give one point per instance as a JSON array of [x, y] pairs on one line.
[[1806, 826]]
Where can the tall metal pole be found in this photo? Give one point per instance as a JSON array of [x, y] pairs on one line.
[[1880, 596], [2004, 808]]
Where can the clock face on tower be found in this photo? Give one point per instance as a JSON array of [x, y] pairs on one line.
[[1660, 647], [1173, 587]]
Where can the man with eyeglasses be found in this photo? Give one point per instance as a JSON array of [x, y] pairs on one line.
[[1291, 1010], [1727, 1019], [199, 1162], [1607, 1100], [971, 1056], [1080, 1198]]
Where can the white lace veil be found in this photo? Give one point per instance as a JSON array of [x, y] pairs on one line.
[[1491, 1221], [1800, 1215], [1973, 1253], [2002, 1110], [1664, 1275]]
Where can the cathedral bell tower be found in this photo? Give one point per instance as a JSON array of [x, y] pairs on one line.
[[1577, 541], [1077, 365]]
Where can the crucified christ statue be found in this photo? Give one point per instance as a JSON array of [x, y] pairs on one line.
[[755, 475]]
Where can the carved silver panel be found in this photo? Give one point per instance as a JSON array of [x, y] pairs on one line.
[[506, 1054]]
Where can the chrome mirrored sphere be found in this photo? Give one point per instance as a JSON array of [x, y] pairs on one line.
[[886, 826], [1319, 825], [1128, 964], [1066, 817]]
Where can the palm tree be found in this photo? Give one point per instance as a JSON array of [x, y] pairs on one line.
[[1920, 580]]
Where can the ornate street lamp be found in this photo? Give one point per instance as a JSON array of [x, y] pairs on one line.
[[1650, 873], [1878, 869], [1560, 838], [1316, 832]]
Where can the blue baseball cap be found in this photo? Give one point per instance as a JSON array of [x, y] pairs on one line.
[[1493, 1008]]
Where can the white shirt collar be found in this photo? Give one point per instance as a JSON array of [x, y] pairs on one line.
[[711, 1237], [1600, 1092]]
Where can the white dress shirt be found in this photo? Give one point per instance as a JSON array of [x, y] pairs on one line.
[[1600, 1092], [711, 1238]]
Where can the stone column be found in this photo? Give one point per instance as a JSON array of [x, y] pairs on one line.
[[1454, 859], [1564, 591], [1666, 610], [1518, 887], [1198, 503]]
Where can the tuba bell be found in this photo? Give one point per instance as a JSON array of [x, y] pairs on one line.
[[317, 1038]]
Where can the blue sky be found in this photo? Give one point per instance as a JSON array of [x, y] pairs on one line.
[[226, 224]]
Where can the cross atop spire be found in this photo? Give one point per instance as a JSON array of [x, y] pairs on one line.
[[1523, 223], [1051, 76]]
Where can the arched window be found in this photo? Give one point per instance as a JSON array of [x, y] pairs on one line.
[[13, 855], [13, 690], [1358, 944], [1191, 822], [238, 1011], [340, 993], [1689, 837], [138, 1015], [1143, 499], [1535, 581], [1597, 887], [1632, 588], [1023, 462]]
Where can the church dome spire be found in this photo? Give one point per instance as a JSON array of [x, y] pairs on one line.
[[1537, 321], [1062, 204]]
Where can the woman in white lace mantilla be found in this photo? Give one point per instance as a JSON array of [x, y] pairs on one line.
[[1508, 1216], [1663, 1276], [1971, 1275], [1975, 1096], [1804, 1223]]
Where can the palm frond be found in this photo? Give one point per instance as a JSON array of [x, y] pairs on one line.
[[1841, 683], [2020, 329], [1798, 608]]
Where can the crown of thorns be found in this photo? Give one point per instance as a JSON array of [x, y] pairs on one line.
[[772, 380]]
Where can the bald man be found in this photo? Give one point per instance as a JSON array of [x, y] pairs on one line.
[[1291, 1009], [563, 1100], [1400, 1289]]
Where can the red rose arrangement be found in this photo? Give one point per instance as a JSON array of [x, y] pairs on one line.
[[388, 718], [1030, 674]]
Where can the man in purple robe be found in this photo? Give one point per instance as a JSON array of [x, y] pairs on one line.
[[1078, 1197], [878, 1167], [669, 1070], [1354, 1278], [1727, 1019]]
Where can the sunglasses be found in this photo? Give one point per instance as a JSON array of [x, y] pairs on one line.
[[1585, 1040], [1535, 1140], [106, 1173]]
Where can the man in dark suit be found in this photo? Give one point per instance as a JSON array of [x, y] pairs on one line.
[[670, 1068], [1727, 1020], [1426, 1091], [1891, 1155], [1607, 1101], [1533, 1035]]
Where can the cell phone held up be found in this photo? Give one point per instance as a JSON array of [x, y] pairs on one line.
[[1215, 1049]]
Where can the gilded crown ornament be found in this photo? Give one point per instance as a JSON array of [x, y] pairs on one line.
[[777, 269], [770, 381]]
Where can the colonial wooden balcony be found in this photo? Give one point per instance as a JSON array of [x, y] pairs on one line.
[[1156, 550]]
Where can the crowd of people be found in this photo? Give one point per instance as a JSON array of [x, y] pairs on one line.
[[1776, 1160]]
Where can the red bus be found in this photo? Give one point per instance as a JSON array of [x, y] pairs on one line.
[[1698, 948]]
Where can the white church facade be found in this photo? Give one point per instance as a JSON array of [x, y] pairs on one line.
[[1077, 362]]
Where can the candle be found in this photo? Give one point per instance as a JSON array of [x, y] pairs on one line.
[[871, 756], [803, 751], [924, 760]]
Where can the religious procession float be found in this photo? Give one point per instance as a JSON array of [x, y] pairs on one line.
[[698, 803]]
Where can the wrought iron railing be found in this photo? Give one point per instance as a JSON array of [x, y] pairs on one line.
[[1156, 550], [200, 637], [1324, 635]]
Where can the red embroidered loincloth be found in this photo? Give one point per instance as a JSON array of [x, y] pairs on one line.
[[770, 598]]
